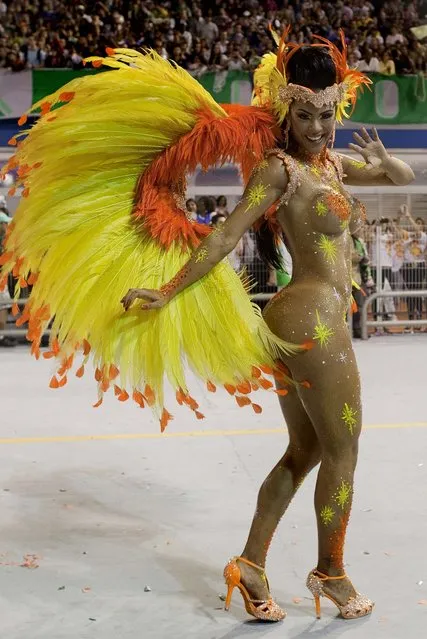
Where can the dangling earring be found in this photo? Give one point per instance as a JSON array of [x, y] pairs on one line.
[[332, 138], [286, 133]]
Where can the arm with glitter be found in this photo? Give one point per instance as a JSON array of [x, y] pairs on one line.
[[265, 187]]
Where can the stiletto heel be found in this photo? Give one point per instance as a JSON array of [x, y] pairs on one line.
[[228, 597], [317, 604], [264, 610], [358, 606]]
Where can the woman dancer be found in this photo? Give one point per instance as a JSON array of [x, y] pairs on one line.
[[104, 210], [305, 185]]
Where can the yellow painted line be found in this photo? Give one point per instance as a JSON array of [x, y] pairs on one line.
[[197, 433]]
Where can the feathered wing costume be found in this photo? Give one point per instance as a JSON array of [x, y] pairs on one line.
[[103, 211], [103, 176]]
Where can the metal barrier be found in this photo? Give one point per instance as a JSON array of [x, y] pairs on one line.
[[15, 332], [365, 323]]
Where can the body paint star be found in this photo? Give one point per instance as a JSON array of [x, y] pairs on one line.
[[260, 166], [327, 514], [328, 249], [255, 195], [343, 494], [321, 208], [337, 295], [348, 416], [322, 333], [202, 254]]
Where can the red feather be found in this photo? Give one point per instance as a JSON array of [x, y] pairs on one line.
[[242, 138]]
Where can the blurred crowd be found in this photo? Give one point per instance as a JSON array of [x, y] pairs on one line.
[[396, 253], [211, 35]]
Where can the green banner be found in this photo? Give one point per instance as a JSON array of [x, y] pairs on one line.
[[392, 100], [47, 81]]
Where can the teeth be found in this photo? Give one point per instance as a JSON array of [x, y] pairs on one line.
[[316, 139]]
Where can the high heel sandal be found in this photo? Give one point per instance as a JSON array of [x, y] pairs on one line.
[[265, 610], [357, 606]]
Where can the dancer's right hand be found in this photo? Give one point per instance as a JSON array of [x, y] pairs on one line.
[[157, 299]]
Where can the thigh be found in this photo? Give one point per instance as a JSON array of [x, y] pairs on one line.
[[301, 431], [331, 398], [327, 379]]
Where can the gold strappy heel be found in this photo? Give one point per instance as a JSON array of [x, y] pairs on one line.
[[263, 610], [358, 606]]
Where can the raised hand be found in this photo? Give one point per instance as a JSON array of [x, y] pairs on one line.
[[370, 148], [157, 299]]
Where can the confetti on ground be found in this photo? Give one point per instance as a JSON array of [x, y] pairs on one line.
[[297, 600], [86, 589], [147, 589], [30, 561], [423, 602]]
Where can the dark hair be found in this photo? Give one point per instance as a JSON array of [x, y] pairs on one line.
[[216, 218], [310, 67]]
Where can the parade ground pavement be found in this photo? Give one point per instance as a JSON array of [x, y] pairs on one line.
[[110, 530]]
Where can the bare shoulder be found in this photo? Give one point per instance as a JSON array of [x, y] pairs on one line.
[[276, 163]]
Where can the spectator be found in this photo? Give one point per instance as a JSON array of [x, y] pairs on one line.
[[218, 219], [218, 61], [369, 63], [403, 64], [237, 62], [221, 206], [414, 264], [203, 214], [382, 271], [209, 31], [361, 275], [191, 206], [5, 301], [223, 41], [394, 37], [387, 65]]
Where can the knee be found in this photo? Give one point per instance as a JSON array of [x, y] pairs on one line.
[[305, 456], [337, 451]]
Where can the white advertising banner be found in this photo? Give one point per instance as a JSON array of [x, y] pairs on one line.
[[15, 93]]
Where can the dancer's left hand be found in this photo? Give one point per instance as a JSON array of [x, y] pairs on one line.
[[157, 299], [370, 148]]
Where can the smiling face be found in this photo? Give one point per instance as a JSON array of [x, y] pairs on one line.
[[311, 127]]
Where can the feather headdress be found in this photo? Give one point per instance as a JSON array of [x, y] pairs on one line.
[[271, 88]]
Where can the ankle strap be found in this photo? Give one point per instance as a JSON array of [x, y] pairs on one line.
[[324, 577], [250, 563]]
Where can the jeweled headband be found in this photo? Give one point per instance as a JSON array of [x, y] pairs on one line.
[[272, 90]]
